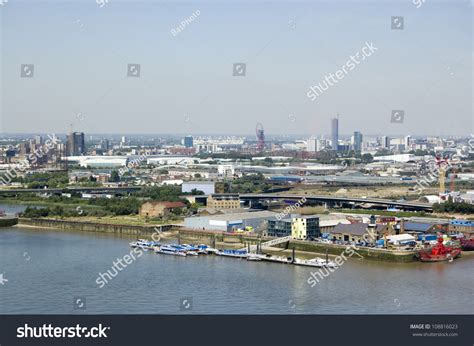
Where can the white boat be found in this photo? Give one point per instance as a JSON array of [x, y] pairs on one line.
[[315, 262], [169, 250], [205, 250], [211, 250], [279, 259], [233, 253], [138, 243], [144, 244], [255, 257]]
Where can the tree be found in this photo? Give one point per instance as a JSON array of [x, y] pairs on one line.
[[114, 176], [196, 192], [366, 158]]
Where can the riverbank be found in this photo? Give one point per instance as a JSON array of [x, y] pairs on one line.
[[219, 240], [8, 221], [301, 246], [87, 226]]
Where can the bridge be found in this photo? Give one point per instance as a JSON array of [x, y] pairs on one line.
[[269, 243], [406, 205]]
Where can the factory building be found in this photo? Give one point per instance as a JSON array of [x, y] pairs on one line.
[[230, 222]]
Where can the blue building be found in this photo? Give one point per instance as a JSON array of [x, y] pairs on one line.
[[188, 141], [357, 141]]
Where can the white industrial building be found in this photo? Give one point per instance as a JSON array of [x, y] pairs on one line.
[[99, 161], [230, 222], [396, 158], [170, 160]]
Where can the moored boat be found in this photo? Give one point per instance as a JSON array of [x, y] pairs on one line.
[[170, 250], [255, 257], [467, 244], [233, 253], [315, 262], [144, 244], [278, 259], [439, 253], [190, 249]]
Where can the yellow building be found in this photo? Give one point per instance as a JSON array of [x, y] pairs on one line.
[[223, 201], [305, 227]]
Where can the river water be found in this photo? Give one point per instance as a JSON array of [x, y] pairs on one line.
[[47, 271]]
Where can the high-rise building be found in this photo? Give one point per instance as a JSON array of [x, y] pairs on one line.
[[75, 144], [123, 141], [335, 132], [357, 141], [188, 141], [104, 144], [407, 142], [321, 144], [311, 144], [385, 142], [38, 140]]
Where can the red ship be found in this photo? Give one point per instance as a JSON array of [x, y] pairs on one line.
[[467, 244], [439, 253]]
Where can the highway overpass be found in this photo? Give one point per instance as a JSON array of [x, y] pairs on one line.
[[250, 197], [405, 205]]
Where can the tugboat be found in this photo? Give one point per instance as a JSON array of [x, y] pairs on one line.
[[439, 253]]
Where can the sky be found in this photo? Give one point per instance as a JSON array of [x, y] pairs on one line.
[[81, 50]]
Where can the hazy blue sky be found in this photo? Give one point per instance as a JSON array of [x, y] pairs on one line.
[[80, 53]]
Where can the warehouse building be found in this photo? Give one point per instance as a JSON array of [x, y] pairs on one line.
[[223, 201], [230, 222], [462, 226]]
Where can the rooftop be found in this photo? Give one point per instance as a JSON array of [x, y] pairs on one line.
[[167, 204], [240, 216], [354, 228], [417, 226]]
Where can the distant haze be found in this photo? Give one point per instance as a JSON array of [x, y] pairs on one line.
[[81, 51]]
